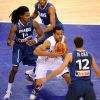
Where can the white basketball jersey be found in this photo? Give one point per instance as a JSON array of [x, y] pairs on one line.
[[50, 60], [53, 42]]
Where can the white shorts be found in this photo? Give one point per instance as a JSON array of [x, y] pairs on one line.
[[43, 68]]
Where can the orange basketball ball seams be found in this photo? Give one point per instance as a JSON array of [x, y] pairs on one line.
[[60, 48]]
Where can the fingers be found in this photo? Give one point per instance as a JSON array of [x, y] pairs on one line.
[[39, 82], [24, 40], [10, 43], [30, 42], [55, 54]]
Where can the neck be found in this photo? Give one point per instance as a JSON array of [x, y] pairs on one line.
[[23, 22], [43, 5], [79, 49]]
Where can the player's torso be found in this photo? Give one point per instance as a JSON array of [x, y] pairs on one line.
[[43, 13], [24, 30], [50, 60], [80, 68]]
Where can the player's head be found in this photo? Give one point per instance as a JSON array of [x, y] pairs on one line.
[[42, 3], [21, 13], [58, 33], [78, 41]]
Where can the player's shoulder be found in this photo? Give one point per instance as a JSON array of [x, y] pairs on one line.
[[50, 38], [36, 3], [64, 36], [69, 57], [49, 5], [70, 54]]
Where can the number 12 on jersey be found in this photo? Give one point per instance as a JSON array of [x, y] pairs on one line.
[[83, 70]]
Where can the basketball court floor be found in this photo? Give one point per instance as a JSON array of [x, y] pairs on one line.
[[82, 18], [56, 88]]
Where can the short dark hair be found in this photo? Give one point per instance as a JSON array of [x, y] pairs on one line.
[[56, 28], [78, 41]]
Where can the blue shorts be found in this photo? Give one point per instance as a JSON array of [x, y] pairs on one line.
[[80, 89], [23, 53]]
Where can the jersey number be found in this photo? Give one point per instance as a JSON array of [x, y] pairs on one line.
[[25, 35], [86, 61]]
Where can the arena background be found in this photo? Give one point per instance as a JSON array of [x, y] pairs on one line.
[[69, 11], [80, 17]]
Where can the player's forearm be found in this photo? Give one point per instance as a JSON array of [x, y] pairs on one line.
[[97, 71], [10, 40], [53, 74], [48, 28], [11, 37], [41, 53], [34, 15], [40, 38]]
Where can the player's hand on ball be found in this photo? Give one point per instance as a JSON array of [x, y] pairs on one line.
[[61, 48], [55, 54]]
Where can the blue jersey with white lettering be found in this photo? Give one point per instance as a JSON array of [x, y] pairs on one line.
[[80, 67], [44, 15], [21, 51], [24, 30]]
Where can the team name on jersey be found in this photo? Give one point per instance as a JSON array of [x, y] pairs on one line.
[[25, 30], [83, 54], [42, 14]]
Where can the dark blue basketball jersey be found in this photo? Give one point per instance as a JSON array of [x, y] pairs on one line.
[[44, 15], [24, 30], [80, 68]]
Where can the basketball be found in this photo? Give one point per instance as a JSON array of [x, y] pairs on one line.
[[60, 48]]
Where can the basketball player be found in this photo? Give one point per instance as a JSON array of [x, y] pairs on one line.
[[48, 59], [80, 62], [47, 13], [22, 28]]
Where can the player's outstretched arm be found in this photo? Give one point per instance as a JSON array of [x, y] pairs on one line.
[[57, 71]]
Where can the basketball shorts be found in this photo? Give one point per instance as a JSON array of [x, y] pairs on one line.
[[43, 67]]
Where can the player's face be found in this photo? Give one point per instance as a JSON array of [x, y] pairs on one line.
[[58, 35], [42, 2], [25, 17]]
